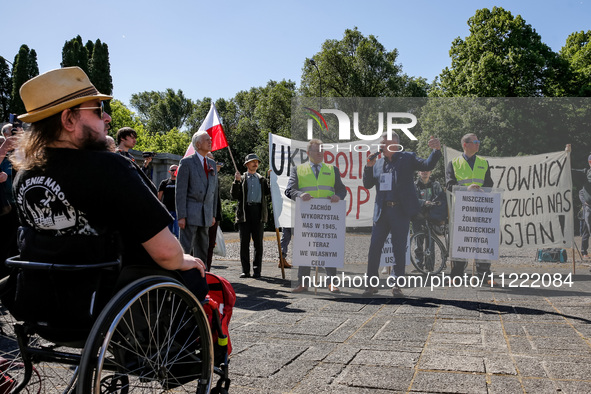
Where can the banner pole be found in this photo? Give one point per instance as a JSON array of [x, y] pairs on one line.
[[281, 259], [232, 157]]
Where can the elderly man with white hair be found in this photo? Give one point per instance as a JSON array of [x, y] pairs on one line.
[[196, 196]]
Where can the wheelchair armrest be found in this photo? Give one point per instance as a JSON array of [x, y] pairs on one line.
[[15, 262]]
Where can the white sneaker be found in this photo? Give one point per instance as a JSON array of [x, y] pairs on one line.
[[385, 271]]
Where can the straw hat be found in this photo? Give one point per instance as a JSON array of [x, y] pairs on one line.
[[52, 92]]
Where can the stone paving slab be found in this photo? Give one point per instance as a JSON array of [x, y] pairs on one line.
[[467, 340]]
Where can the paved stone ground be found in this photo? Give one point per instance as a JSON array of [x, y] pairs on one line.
[[446, 340]]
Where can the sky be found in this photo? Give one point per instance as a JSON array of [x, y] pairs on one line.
[[217, 48]]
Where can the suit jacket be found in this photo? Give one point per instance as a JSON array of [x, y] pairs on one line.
[[196, 195], [403, 180]]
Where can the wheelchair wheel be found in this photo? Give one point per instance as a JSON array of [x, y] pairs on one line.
[[152, 336], [46, 377], [427, 260]]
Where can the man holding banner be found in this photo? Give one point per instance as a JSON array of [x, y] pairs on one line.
[[396, 201], [315, 179], [472, 171]]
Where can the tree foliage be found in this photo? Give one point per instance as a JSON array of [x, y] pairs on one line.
[[25, 67], [122, 117], [174, 141], [577, 52], [356, 66], [502, 57], [100, 69], [508, 127], [5, 90], [74, 53], [162, 111]]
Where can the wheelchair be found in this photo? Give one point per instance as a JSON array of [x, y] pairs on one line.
[[151, 336]]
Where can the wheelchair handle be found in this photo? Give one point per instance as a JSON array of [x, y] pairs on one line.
[[14, 262]]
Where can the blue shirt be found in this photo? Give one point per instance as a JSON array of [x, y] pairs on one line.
[[253, 187]]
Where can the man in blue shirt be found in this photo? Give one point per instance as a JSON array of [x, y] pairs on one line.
[[252, 192]]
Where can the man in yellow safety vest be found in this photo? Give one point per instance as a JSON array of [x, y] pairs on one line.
[[472, 171], [315, 179]]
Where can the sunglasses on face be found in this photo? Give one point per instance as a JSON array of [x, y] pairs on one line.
[[473, 142], [100, 112]]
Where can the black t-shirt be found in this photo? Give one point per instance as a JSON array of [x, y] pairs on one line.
[[91, 193], [167, 186]]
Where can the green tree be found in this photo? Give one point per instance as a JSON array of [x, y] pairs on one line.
[[356, 66], [273, 109], [100, 69], [90, 49], [173, 141], [74, 53], [577, 52], [502, 57], [122, 117], [5, 90], [200, 110], [33, 66], [162, 111], [25, 67]]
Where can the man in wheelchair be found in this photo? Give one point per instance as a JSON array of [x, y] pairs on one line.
[[71, 187], [80, 204]]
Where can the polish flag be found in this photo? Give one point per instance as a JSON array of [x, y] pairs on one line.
[[214, 128]]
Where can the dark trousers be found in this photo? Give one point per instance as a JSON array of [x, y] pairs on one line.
[[585, 229], [251, 228], [395, 221], [213, 230], [286, 235], [195, 283], [195, 241]]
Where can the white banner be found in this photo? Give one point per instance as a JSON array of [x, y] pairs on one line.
[[319, 233], [285, 154], [537, 207]]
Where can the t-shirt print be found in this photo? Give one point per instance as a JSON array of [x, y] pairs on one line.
[[45, 207]]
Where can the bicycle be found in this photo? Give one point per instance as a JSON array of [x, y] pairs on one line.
[[428, 254]]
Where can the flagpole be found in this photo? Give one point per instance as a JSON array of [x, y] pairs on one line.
[[232, 157]]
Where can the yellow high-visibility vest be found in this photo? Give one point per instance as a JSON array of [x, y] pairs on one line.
[[317, 188], [467, 176]]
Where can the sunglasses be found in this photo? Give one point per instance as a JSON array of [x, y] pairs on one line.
[[100, 113], [473, 142]]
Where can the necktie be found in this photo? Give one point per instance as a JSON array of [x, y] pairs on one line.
[[316, 170], [205, 167]]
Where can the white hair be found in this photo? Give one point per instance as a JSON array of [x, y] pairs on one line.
[[196, 138]]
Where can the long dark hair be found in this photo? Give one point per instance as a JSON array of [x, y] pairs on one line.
[[30, 150]]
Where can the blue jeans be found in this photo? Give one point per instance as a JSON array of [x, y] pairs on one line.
[[174, 226]]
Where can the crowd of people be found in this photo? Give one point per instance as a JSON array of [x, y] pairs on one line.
[[65, 167]]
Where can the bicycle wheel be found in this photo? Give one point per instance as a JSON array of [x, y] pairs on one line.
[[153, 336], [428, 260]]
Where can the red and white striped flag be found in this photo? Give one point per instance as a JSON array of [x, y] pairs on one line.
[[214, 128]]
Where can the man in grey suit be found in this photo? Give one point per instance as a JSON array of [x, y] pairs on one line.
[[196, 196]]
